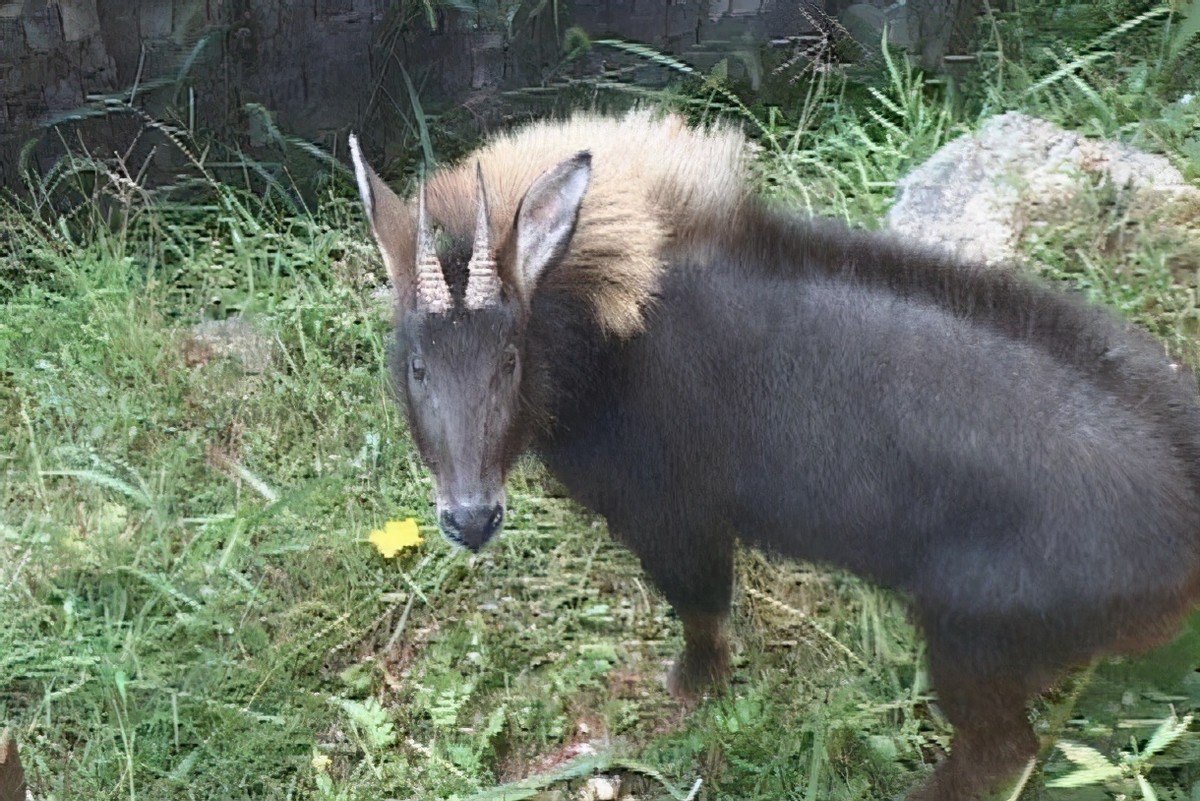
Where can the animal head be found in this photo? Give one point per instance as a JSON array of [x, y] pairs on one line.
[[463, 306]]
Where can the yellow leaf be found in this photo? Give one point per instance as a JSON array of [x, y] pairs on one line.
[[395, 536]]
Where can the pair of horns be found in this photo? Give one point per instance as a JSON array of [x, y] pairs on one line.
[[483, 282]]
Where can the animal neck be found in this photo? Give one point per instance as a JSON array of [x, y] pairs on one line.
[[569, 362]]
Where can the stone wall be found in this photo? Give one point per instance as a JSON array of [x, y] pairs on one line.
[[320, 67]]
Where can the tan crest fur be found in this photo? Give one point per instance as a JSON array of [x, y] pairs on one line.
[[655, 182]]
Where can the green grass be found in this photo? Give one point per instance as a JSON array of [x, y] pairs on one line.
[[191, 607]]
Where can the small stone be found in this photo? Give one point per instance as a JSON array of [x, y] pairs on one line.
[[600, 788]]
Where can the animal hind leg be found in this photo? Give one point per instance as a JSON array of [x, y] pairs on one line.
[[704, 664], [992, 741], [695, 573]]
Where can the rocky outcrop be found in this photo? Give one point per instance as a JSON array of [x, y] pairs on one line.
[[981, 194]]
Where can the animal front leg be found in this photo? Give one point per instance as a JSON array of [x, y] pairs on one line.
[[704, 664], [695, 573]]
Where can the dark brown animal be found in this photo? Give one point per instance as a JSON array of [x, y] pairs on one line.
[[1023, 466], [12, 776]]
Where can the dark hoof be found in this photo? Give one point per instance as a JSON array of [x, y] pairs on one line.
[[692, 677], [949, 783]]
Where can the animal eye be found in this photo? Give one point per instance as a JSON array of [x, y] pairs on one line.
[[510, 358], [418, 368]]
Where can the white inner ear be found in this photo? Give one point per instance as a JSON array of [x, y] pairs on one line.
[[360, 175], [547, 217]]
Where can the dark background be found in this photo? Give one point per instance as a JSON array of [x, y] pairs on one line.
[[254, 75]]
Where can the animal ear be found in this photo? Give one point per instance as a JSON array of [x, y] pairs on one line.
[[389, 218], [547, 215]]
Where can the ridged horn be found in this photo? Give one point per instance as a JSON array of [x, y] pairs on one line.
[[483, 282], [433, 294]]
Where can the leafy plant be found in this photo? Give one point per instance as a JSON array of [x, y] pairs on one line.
[[1130, 767]]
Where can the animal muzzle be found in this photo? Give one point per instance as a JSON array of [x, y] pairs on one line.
[[471, 526]]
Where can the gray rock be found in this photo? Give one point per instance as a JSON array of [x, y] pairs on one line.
[[977, 195]]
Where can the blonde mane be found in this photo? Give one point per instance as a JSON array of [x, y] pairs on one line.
[[655, 181]]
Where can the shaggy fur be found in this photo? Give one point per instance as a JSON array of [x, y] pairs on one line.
[[655, 180]]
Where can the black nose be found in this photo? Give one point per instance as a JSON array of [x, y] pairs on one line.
[[472, 526]]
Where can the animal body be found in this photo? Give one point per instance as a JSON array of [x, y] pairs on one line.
[[700, 369]]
